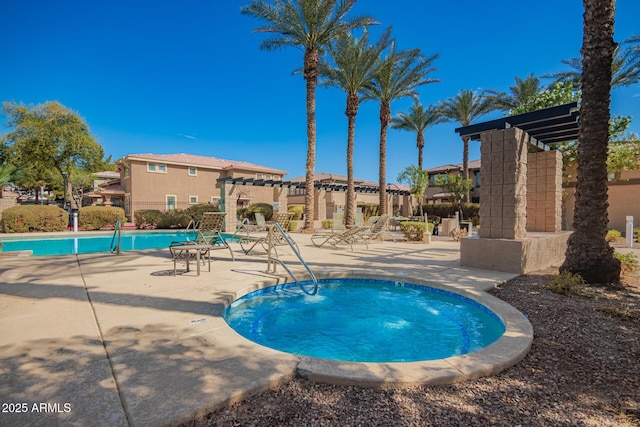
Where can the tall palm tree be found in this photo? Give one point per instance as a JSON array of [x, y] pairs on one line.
[[588, 253], [464, 108], [309, 25], [625, 66], [418, 120], [355, 62], [520, 93], [397, 75]]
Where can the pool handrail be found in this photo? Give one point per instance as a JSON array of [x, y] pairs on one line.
[[276, 226], [116, 232]]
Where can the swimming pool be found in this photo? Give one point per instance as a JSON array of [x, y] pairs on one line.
[[365, 320], [64, 245]]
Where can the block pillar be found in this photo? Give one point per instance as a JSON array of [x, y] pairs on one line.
[[321, 204], [280, 196], [544, 191], [503, 184], [229, 206]]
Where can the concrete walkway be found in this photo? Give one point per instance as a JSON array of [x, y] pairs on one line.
[[117, 340]]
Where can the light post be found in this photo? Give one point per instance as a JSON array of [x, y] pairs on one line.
[[64, 179]]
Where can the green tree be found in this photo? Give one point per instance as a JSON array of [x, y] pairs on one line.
[[418, 120], [418, 179], [588, 253], [50, 137], [7, 174], [397, 75], [457, 186], [355, 62], [520, 93], [464, 108], [625, 66], [558, 94], [309, 25]]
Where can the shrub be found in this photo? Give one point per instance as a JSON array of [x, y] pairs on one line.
[[195, 212], [613, 236], [470, 211], [567, 283], [293, 226], [413, 230], [264, 208], [297, 210], [327, 224], [636, 234], [369, 210], [22, 219], [628, 262], [175, 218], [147, 218], [96, 217]]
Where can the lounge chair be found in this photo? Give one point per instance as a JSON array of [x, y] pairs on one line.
[[273, 238], [349, 237], [379, 229], [209, 233]]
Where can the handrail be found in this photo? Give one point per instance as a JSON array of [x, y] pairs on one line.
[[116, 232], [295, 251], [193, 224]]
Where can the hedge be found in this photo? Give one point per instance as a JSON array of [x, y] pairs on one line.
[[31, 218], [96, 217], [176, 218], [470, 211], [297, 211], [414, 231]]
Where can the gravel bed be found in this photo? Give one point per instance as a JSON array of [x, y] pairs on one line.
[[583, 370]]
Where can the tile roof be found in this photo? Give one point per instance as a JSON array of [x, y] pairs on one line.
[[473, 164], [342, 179], [211, 162]]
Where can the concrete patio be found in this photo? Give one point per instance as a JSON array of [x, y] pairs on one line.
[[116, 340]]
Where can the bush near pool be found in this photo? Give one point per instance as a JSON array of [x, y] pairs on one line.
[[32, 218], [96, 217]]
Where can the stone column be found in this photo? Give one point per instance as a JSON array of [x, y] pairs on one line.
[[503, 184], [321, 204], [544, 191], [229, 206], [280, 196]]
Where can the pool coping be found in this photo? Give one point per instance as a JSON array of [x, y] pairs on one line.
[[508, 350]]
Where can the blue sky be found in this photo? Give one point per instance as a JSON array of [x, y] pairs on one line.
[[170, 77]]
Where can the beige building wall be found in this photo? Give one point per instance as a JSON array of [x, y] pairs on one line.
[[624, 200]]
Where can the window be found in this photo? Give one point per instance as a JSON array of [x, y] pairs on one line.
[[193, 200], [127, 172], [193, 171], [157, 167], [259, 176], [171, 202], [478, 179]]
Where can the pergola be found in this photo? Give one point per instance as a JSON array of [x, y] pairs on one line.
[[298, 184], [544, 127], [520, 190]]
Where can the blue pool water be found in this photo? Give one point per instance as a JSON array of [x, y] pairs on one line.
[[92, 244], [365, 320]]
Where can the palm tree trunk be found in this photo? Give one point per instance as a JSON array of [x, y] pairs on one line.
[[465, 163], [311, 77], [385, 119], [588, 253], [420, 144], [351, 112]]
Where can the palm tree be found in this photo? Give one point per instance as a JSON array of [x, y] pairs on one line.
[[523, 91], [355, 62], [464, 108], [309, 25], [397, 75], [588, 253], [417, 121], [625, 66]]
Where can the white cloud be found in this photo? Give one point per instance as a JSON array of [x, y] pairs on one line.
[[187, 136]]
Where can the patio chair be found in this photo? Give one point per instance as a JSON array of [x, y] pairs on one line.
[[273, 237], [349, 237], [380, 229], [209, 234]]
